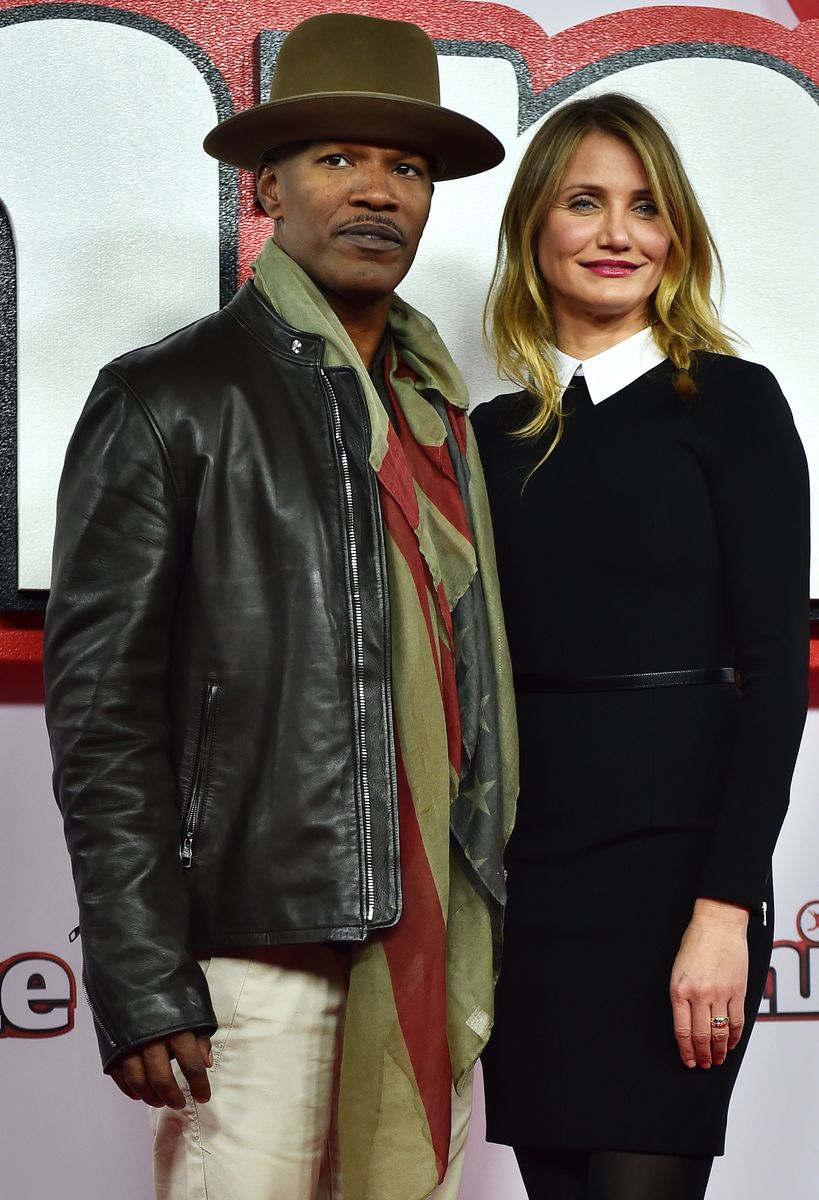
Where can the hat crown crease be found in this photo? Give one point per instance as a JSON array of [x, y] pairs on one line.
[[403, 66]]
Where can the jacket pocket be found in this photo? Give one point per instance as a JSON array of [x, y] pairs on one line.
[[193, 807]]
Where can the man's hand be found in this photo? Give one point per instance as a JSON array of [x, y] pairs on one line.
[[709, 979], [146, 1073]]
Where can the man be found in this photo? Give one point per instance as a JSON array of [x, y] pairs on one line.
[[278, 693]]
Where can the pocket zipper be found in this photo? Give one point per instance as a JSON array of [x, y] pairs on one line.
[[192, 811]]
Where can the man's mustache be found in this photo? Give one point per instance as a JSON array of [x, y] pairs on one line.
[[372, 219]]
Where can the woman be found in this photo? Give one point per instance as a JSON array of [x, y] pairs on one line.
[[649, 495]]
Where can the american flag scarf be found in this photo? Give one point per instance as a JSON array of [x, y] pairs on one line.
[[419, 1007]]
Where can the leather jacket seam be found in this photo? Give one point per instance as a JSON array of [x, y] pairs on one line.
[[380, 565], [359, 723], [155, 430]]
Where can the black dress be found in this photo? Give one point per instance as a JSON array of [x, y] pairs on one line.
[[660, 535]]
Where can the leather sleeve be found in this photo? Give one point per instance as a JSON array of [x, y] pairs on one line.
[[118, 555]]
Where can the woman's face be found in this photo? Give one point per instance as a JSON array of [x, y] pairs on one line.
[[602, 246]]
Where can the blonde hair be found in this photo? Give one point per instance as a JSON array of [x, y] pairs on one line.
[[519, 320]]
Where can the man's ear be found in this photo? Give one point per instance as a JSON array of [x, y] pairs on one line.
[[268, 189]]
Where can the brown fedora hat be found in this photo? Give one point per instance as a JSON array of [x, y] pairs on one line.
[[363, 79]]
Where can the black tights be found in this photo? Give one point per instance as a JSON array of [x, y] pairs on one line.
[[611, 1175]]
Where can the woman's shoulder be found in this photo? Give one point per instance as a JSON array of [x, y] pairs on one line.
[[737, 388], [727, 371], [741, 405], [503, 414]]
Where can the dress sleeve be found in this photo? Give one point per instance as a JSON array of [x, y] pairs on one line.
[[758, 482]]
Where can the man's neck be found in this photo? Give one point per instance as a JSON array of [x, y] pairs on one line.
[[363, 323]]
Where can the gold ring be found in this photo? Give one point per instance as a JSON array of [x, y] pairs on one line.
[[719, 1022]]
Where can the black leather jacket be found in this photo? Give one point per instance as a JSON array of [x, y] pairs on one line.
[[217, 661]]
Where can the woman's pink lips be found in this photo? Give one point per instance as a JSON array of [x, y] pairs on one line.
[[612, 268]]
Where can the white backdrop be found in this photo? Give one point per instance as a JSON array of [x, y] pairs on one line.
[[64, 1130], [120, 222]]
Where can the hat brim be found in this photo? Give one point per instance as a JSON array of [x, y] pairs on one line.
[[458, 145]]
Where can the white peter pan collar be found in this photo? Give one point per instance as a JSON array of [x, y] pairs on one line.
[[612, 369]]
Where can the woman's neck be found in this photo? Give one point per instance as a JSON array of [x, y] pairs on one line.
[[583, 339]]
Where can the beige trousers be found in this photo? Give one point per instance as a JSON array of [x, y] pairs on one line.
[[269, 1130]]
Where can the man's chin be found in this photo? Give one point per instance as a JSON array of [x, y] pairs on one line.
[[364, 291]]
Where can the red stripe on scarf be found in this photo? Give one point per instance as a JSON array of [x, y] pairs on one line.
[[407, 543], [394, 475], [415, 949], [431, 466], [405, 540]]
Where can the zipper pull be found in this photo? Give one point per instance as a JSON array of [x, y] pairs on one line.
[[764, 912], [186, 852], [74, 934]]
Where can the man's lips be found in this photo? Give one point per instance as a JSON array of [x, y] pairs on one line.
[[611, 268], [372, 235]]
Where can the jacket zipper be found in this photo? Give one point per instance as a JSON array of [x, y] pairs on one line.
[[98, 1019], [357, 626], [196, 792]]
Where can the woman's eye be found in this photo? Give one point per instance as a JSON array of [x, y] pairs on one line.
[[647, 208], [582, 203]]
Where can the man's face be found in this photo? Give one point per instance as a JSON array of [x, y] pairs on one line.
[[349, 214]]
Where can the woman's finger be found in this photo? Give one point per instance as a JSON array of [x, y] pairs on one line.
[[736, 1018], [701, 1032], [719, 1032], [682, 1031]]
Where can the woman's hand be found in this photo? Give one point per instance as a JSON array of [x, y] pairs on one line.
[[709, 979]]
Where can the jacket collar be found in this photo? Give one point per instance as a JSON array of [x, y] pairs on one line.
[[253, 312]]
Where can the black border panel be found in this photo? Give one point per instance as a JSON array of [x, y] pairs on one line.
[[12, 598]]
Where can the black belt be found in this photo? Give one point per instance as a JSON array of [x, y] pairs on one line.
[[535, 682]]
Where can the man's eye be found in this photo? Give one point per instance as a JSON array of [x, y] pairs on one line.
[[335, 160], [408, 170]]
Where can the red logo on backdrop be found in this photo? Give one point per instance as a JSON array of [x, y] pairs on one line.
[[806, 10], [38, 996], [792, 990], [234, 46]]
